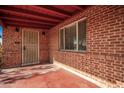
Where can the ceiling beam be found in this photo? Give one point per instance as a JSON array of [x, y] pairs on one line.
[[34, 10], [56, 10], [25, 20], [8, 10], [77, 7], [25, 25]]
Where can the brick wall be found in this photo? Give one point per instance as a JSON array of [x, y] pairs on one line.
[[104, 57], [44, 54], [12, 52]]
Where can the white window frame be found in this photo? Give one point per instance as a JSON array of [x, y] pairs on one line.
[[71, 24]]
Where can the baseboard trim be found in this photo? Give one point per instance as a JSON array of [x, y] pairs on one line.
[[81, 74]]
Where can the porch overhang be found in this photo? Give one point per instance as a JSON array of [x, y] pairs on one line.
[[40, 16]]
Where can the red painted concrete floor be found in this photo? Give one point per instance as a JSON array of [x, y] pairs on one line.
[[41, 76]]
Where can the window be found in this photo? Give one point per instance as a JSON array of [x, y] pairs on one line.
[[70, 37], [82, 35], [73, 37]]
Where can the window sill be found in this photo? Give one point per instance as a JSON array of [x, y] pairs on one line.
[[74, 51]]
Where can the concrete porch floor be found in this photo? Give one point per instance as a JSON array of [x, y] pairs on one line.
[[41, 76]]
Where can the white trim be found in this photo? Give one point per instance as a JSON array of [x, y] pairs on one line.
[[74, 22], [24, 64], [66, 50], [81, 74]]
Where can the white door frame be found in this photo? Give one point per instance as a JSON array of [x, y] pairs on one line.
[[30, 29]]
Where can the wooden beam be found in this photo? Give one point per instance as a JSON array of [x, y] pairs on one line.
[[77, 7], [81, 7], [33, 10], [25, 20], [56, 10], [25, 25], [8, 10]]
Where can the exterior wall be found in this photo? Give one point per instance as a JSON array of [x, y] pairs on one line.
[[12, 51], [104, 57], [44, 53]]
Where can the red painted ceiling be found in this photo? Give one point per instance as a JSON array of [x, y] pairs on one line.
[[40, 16]]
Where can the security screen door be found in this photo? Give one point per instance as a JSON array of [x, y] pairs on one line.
[[30, 47]]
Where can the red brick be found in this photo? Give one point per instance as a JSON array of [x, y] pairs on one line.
[[12, 53], [104, 38]]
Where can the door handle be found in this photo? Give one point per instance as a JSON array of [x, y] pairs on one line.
[[24, 48]]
